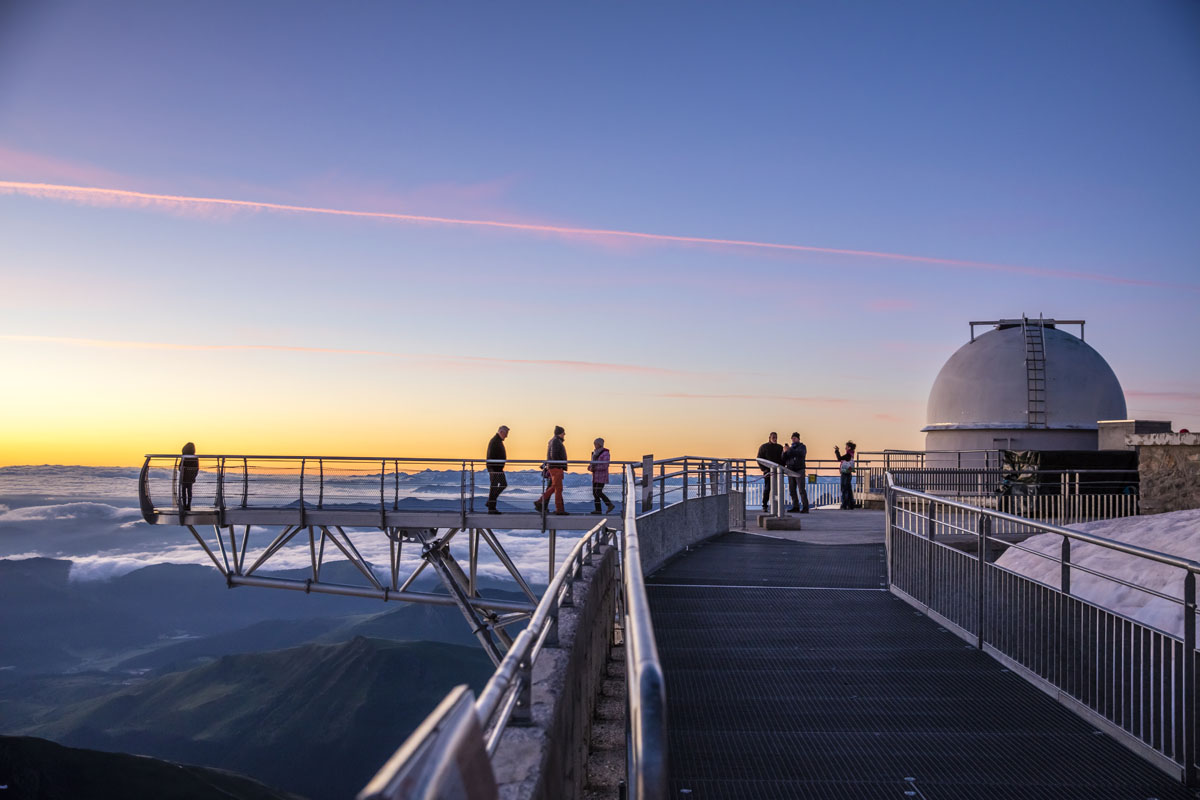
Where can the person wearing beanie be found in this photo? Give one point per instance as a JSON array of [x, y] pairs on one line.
[[556, 465], [599, 470], [496, 456], [794, 459], [847, 471], [771, 451], [189, 468]]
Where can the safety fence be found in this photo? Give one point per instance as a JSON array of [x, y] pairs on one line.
[[1044, 611], [228, 482], [457, 742]]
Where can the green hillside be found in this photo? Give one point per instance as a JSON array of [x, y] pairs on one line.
[[35, 769]]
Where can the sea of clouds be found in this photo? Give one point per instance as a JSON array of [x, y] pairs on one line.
[[91, 517]]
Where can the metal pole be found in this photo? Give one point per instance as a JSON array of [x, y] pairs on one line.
[[930, 521], [1065, 575], [985, 524], [1191, 778], [662, 486], [647, 484]]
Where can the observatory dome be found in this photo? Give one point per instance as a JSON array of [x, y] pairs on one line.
[[1024, 385]]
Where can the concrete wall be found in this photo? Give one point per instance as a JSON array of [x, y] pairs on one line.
[[1169, 471], [664, 533], [547, 760], [1114, 432]]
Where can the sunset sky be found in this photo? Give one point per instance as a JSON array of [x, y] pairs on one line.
[[383, 229]]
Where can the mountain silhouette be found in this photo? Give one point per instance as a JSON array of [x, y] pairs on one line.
[[35, 769]]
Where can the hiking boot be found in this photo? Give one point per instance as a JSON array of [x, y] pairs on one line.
[[562, 513], [537, 504]]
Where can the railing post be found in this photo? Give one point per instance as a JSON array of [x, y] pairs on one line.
[[462, 497], [889, 522], [985, 524], [220, 499], [1191, 778], [472, 503], [662, 486], [321, 483], [522, 713], [647, 483], [930, 521], [685, 480], [302, 514], [245, 482], [1066, 673], [1064, 581]]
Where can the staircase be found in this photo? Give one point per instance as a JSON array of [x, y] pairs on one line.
[[1034, 331]]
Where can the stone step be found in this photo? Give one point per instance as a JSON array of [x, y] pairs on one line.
[[605, 771], [611, 707]]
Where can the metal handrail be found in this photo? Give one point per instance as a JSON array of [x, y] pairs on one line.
[[318, 483], [510, 684], [1082, 536], [1052, 635], [409, 459], [645, 689]]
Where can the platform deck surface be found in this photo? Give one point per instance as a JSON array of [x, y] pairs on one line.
[[793, 673]]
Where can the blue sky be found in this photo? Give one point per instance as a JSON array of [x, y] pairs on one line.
[[1057, 137]]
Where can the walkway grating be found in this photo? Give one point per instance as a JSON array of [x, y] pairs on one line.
[[798, 693]]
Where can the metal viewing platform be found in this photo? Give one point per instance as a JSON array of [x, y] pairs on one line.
[[260, 508], [853, 654]]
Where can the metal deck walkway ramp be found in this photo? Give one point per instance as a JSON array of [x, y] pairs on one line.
[[792, 672]]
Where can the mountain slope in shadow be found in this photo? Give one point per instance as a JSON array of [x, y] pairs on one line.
[[35, 769], [317, 719]]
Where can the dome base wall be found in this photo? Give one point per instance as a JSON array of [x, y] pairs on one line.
[[1004, 439]]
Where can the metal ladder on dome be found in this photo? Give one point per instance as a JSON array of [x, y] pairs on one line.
[[1034, 331]]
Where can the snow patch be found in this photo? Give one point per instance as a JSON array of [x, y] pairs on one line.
[[1176, 533]]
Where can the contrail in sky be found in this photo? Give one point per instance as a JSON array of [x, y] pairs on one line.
[[124, 197]]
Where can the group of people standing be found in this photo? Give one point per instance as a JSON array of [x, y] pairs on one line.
[[553, 470], [793, 459]]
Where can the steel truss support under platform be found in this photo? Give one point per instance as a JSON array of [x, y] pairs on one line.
[[488, 618]]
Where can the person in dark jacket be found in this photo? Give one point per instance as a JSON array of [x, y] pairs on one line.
[[599, 470], [770, 450], [556, 465], [793, 459], [496, 456], [189, 468], [847, 470]]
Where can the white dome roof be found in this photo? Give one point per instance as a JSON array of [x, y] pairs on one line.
[[984, 385]]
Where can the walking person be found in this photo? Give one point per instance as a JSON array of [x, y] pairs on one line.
[[794, 458], [496, 456], [599, 470], [772, 451], [847, 470], [556, 465], [189, 468]]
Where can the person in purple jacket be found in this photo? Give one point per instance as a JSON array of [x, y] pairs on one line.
[[599, 470]]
